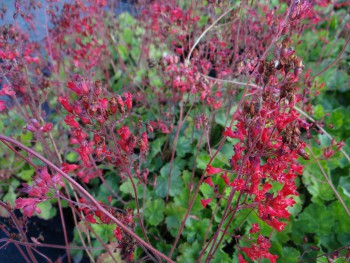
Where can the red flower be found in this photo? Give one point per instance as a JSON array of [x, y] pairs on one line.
[[47, 127], [90, 218], [212, 170], [328, 153], [104, 103], [29, 205], [118, 234], [143, 143], [74, 87], [124, 132], [279, 226], [241, 259], [2, 105], [238, 184], [128, 100], [255, 228], [225, 178], [66, 167], [209, 181], [7, 90], [228, 132], [65, 103], [69, 120], [205, 202]]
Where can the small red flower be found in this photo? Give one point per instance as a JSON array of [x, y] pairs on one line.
[[212, 170], [225, 178], [71, 85], [66, 167], [7, 90], [328, 153], [118, 234], [69, 120], [238, 184], [209, 181], [124, 132], [228, 132], [47, 127], [143, 143], [29, 205], [128, 100], [205, 202], [255, 228], [241, 259], [2, 105]]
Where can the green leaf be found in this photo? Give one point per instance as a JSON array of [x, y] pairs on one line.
[[176, 183], [72, 157], [123, 52], [156, 146], [315, 219], [47, 211], [27, 174], [344, 183], [127, 188], [319, 112], [104, 231], [336, 118], [127, 35], [316, 184], [175, 215], [26, 138], [183, 147], [203, 20], [220, 257], [125, 19], [154, 211], [290, 255], [10, 196], [195, 229], [189, 252]]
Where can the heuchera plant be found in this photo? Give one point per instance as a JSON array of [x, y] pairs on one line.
[[197, 111]]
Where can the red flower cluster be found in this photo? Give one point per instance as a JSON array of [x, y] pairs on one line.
[[44, 187]]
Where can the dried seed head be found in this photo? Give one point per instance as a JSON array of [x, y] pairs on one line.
[[85, 101], [97, 88], [303, 154]]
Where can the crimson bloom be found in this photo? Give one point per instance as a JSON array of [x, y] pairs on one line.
[[209, 181], [205, 202], [2, 105], [29, 205], [66, 167], [69, 120], [238, 184], [212, 170], [128, 100], [7, 90], [255, 228], [118, 234]]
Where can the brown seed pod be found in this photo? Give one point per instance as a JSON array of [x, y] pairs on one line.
[[303, 154]]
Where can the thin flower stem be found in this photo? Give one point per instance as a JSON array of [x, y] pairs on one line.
[[335, 60], [174, 147], [102, 243], [38, 244], [88, 196], [207, 30], [329, 181], [134, 189], [20, 229], [64, 228], [323, 130], [11, 241]]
